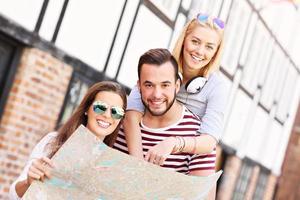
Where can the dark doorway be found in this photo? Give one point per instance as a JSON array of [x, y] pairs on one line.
[[9, 58]]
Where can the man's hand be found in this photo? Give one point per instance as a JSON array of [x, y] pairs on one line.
[[159, 153]]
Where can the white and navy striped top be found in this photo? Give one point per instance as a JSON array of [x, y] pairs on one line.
[[182, 162]]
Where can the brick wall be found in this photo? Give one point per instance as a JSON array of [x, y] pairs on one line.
[[289, 181], [230, 176], [31, 110]]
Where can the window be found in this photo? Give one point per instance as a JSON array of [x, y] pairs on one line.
[[180, 22], [266, 60], [281, 78], [228, 83], [286, 27], [25, 13], [225, 9], [215, 8], [260, 3], [261, 184], [243, 181], [88, 36], [287, 93], [271, 83], [206, 6], [77, 90], [6, 51], [50, 19], [169, 7], [142, 39], [248, 39], [295, 48], [121, 39], [239, 113], [256, 61], [271, 145], [186, 4], [257, 134], [237, 23], [9, 54], [202, 6]]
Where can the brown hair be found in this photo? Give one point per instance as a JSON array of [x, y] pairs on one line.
[[157, 56], [214, 64], [79, 117]]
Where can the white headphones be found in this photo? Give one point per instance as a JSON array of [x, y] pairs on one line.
[[195, 85]]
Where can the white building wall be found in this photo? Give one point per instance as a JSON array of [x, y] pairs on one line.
[[264, 81], [259, 64]]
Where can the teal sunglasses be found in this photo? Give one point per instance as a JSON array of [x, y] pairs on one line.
[[100, 108]]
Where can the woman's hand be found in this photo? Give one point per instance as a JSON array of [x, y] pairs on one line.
[[159, 153], [39, 170]]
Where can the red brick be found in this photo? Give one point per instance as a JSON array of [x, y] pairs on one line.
[[6, 189], [2, 180], [30, 109], [11, 157], [289, 182]]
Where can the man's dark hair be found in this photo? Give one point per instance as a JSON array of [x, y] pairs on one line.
[[158, 57]]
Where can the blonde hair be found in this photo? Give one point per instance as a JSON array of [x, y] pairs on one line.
[[214, 64]]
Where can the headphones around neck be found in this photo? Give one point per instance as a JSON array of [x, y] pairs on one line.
[[195, 85]]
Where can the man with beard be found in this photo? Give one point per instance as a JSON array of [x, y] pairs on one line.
[[168, 128]]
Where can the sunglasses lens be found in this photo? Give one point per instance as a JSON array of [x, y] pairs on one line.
[[117, 113], [202, 17], [219, 23], [99, 108]]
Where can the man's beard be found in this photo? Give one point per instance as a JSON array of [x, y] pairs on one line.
[[160, 113]]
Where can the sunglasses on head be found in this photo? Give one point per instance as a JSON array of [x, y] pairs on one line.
[[217, 21], [100, 108]]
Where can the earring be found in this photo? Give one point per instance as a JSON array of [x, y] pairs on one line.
[[85, 113]]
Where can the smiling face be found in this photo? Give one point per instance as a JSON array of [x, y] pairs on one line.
[[200, 45], [104, 124], [158, 88]]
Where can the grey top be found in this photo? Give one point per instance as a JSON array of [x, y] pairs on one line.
[[209, 104]]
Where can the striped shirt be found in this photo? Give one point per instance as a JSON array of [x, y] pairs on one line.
[[209, 104], [187, 126]]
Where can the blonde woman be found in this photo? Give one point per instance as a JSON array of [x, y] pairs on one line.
[[198, 52]]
